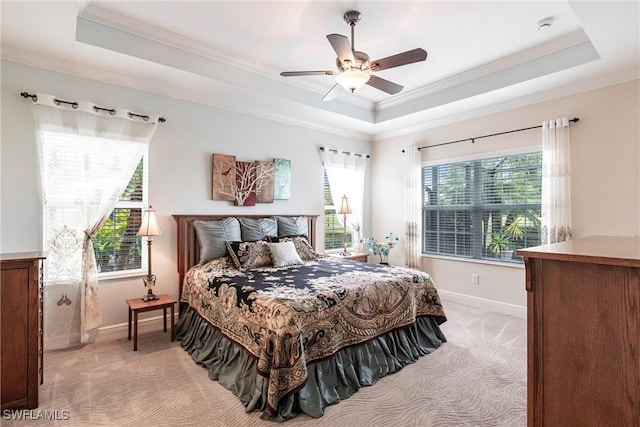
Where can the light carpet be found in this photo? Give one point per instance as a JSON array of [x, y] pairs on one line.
[[477, 378]]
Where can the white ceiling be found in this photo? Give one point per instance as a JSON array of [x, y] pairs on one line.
[[482, 56]]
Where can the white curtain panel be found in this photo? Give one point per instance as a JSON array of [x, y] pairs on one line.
[[412, 207], [556, 181], [346, 174], [87, 159]]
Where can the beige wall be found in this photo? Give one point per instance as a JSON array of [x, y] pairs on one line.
[[605, 156]]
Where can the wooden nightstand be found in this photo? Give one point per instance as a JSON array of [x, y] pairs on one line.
[[136, 305], [355, 256]]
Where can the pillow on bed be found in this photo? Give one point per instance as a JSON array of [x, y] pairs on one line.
[[257, 229], [291, 226], [304, 249], [247, 255], [284, 254], [212, 236]]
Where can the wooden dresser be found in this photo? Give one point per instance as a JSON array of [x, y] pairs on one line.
[[583, 332], [21, 303]]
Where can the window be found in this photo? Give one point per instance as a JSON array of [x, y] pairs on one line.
[[80, 174], [333, 230], [482, 209], [116, 246]]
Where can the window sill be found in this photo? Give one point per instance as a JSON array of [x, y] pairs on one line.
[[117, 275], [476, 261]]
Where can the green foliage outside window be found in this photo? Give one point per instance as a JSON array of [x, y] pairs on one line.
[[116, 246], [333, 230], [483, 208]]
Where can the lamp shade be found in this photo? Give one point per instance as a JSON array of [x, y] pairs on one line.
[[353, 79], [149, 226], [344, 208]]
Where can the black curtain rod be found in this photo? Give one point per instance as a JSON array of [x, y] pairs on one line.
[[346, 153], [473, 140], [74, 105]]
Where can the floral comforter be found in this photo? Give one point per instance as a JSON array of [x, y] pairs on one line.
[[289, 316]]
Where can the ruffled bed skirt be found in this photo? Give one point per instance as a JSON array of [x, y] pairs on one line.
[[329, 381]]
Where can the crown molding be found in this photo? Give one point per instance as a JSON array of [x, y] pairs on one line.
[[101, 16], [445, 117], [224, 103], [539, 51]]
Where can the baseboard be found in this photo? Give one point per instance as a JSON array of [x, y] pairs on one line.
[[121, 330], [64, 342], [486, 304]]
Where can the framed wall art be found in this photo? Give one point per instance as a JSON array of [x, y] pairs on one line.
[[248, 183], [282, 179], [224, 177], [265, 173]]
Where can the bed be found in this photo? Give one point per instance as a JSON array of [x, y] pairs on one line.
[[290, 331]]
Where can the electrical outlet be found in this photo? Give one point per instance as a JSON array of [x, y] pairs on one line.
[[475, 279]]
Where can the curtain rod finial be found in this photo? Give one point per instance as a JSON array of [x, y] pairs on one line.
[[26, 95]]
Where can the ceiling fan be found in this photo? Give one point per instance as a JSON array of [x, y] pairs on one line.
[[354, 67]]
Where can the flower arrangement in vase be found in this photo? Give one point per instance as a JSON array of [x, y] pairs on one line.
[[381, 249]]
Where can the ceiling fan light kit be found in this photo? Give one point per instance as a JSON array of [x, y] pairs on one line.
[[353, 79], [355, 68]]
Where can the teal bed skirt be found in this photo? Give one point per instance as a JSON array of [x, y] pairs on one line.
[[329, 380]]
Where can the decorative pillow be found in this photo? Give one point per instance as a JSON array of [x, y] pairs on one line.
[[257, 229], [304, 249], [247, 255], [292, 226], [284, 254], [212, 236]]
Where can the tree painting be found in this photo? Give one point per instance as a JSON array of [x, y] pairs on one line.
[[224, 177], [264, 181], [245, 184], [282, 179], [248, 183], [252, 178]]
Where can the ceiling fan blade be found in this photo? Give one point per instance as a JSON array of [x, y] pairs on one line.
[[306, 73], [384, 85], [404, 58], [333, 93], [342, 47]]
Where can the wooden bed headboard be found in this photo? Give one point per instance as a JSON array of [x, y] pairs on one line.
[[188, 245]]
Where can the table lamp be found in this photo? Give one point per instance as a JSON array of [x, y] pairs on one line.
[[149, 228], [344, 209]]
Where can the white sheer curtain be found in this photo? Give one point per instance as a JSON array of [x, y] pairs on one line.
[[556, 181], [412, 207], [346, 174], [87, 156]]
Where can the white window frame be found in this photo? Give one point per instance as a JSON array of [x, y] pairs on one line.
[[472, 158], [142, 271], [324, 216]]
